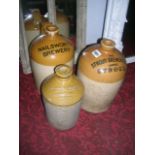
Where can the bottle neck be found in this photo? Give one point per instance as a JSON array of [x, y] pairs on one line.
[[36, 15], [51, 30], [63, 71], [107, 44]]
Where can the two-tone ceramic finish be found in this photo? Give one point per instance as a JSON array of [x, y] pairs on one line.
[[62, 94], [32, 25], [49, 50], [102, 69]]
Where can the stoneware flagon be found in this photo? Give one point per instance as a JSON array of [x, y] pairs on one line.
[[62, 95], [32, 25], [102, 69], [49, 50]]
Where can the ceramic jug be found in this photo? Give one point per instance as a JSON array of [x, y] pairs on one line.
[[62, 95], [102, 69], [32, 25], [47, 51]]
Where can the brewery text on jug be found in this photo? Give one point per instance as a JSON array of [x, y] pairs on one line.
[[102, 69], [49, 50]]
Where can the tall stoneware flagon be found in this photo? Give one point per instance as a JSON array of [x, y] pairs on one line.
[[32, 25], [62, 94], [102, 69], [47, 51]]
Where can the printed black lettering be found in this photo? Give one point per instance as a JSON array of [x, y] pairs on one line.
[[115, 69], [52, 46]]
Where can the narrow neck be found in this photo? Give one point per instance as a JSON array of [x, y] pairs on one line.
[[63, 71], [36, 17], [51, 30], [63, 79], [107, 44]]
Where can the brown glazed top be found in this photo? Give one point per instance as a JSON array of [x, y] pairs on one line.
[[33, 23], [103, 62], [51, 48], [63, 88]]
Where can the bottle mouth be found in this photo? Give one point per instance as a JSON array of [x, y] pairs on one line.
[[63, 71], [51, 29], [107, 43]]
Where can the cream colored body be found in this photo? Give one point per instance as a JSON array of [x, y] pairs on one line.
[[62, 117], [98, 96], [40, 72], [30, 35]]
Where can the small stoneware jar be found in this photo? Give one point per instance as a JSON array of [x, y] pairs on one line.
[[32, 25], [47, 51], [102, 69], [62, 95]]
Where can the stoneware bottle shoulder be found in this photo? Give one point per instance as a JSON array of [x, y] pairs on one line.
[[50, 50], [62, 90], [102, 65]]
